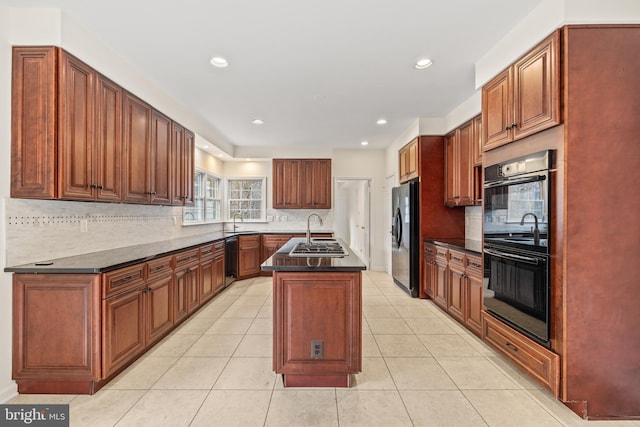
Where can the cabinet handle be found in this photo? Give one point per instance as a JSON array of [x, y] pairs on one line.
[[513, 125], [159, 268], [126, 279], [511, 346], [507, 128], [93, 186], [152, 193], [100, 187]]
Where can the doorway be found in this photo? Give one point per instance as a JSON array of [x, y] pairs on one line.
[[352, 215]]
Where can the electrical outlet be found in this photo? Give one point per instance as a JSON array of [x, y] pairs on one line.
[[84, 225], [317, 349]]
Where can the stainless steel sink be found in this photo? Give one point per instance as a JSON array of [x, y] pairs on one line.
[[319, 248]]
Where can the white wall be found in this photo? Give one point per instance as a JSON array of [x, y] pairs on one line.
[[7, 386], [368, 164]]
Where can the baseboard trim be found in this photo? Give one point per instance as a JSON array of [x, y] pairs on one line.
[[8, 392]]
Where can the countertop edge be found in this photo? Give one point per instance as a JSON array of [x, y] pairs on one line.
[[466, 245]]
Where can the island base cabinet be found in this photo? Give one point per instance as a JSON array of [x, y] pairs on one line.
[[56, 333], [317, 336]]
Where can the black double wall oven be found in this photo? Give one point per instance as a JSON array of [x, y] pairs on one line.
[[516, 243]]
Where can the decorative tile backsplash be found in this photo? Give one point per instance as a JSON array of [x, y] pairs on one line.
[[38, 230]]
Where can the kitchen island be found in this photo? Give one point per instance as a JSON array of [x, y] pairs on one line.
[[317, 317]]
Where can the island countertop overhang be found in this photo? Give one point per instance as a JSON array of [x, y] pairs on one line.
[[282, 261]]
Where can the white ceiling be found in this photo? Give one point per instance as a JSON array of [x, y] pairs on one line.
[[318, 72]]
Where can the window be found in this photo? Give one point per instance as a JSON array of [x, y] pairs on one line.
[[247, 198], [207, 203]]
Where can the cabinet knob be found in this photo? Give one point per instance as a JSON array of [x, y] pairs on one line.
[[507, 128], [93, 186], [100, 187]]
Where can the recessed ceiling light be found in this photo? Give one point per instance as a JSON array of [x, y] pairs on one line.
[[423, 63], [364, 143], [218, 61], [257, 122], [382, 122], [205, 146], [220, 155]]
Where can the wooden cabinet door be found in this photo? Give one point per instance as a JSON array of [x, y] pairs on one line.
[[188, 167], [137, 144], [108, 140], [450, 168], [315, 184], [56, 327], [178, 164], [408, 157], [159, 307], [476, 141], [440, 294], [456, 281], [536, 88], [207, 278], [248, 255], [464, 162], [497, 111], [33, 123], [474, 293], [325, 307], [193, 289], [430, 271], [286, 184], [123, 329], [76, 154], [181, 283], [218, 272], [160, 162]]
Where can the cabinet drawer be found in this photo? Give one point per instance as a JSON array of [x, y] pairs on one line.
[[210, 249], [186, 257], [429, 251], [159, 267], [123, 279], [474, 266], [249, 242], [442, 255], [275, 240], [540, 363], [457, 259]]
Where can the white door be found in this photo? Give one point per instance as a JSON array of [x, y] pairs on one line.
[[352, 215]]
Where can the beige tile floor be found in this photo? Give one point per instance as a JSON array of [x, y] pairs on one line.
[[420, 368]]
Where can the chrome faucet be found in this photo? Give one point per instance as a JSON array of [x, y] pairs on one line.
[[234, 220], [536, 230], [308, 226]]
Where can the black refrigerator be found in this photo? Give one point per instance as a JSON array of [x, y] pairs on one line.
[[405, 231]]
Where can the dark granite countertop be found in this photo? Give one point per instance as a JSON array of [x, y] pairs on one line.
[[473, 246], [282, 261], [112, 259]]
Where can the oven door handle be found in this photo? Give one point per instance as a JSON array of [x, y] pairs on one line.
[[514, 257], [507, 181]]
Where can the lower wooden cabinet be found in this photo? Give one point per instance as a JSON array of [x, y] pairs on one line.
[[123, 329], [322, 309], [73, 332], [474, 294], [440, 288], [248, 255], [453, 280], [211, 277], [56, 332], [539, 362]]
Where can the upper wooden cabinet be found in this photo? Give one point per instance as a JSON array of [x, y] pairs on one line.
[[182, 165], [160, 161], [76, 135], [524, 98], [460, 176], [302, 183], [409, 161]]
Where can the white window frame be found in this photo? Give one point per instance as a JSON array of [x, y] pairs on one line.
[[189, 212], [263, 199]]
